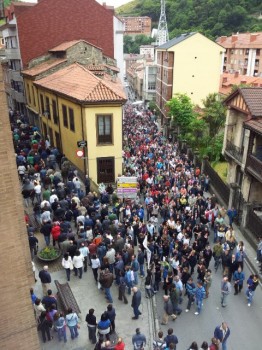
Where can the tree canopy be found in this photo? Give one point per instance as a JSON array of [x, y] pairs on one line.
[[132, 45], [212, 18]]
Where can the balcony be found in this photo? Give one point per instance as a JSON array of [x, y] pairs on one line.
[[233, 151], [15, 75], [12, 54], [254, 166]]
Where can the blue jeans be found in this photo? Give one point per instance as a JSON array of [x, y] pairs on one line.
[[68, 274], [136, 277], [142, 272], [250, 296], [224, 299], [92, 334], [129, 286], [47, 240], [108, 295], [224, 345], [111, 268], [78, 271], [199, 305], [62, 334], [73, 331]]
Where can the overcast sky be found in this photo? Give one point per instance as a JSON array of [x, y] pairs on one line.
[[114, 3]]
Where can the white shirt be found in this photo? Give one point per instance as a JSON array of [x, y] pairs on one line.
[[84, 251], [78, 261], [67, 263], [52, 198], [95, 263], [37, 189]]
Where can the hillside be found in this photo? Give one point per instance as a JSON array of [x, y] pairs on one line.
[[210, 17]]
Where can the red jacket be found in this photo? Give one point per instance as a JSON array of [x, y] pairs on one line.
[[56, 232]]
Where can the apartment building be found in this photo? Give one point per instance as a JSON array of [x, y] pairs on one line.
[[229, 81], [137, 25], [26, 36], [148, 51], [188, 64], [77, 100], [243, 53]]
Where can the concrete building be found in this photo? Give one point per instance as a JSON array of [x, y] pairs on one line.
[[25, 35], [243, 142], [137, 25], [149, 82], [18, 328], [243, 53], [76, 92], [188, 64]]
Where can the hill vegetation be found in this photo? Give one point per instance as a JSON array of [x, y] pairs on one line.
[[212, 18]]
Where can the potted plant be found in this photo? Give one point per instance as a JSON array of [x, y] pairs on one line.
[[49, 254]]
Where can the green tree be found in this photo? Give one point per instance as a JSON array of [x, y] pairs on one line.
[[214, 114], [181, 110]]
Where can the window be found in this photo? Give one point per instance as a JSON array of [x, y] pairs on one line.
[[71, 119], [54, 112], [104, 129], [47, 107], [33, 94], [65, 120], [105, 170], [42, 103], [28, 93], [257, 52]]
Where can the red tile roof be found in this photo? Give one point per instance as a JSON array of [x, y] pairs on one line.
[[228, 80], [241, 40], [67, 44], [79, 83], [43, 67], [253, 99]]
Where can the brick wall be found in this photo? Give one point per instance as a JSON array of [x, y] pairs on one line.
[[50, 23], [17, 322]]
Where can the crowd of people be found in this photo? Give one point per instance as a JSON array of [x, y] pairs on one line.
[[163, 236]]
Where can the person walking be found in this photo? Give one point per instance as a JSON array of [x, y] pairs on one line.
[[72, 323], [200, 295], [225, 291], [171, 338], [67, 264], [106, 280], [78, 262], [159, 343], [252, 284], [138, 340], [222, 333], [44, 327], [45, 279], [111, 314], [190, 291], [238, 278], [122, 288], [95, 265], [168, 310], [136, 301], [92, 325], [60, 326]]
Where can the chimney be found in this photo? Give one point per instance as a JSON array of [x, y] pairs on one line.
[[253, 37], [236, 74], [223, 39], [224, 80], [234, 38]]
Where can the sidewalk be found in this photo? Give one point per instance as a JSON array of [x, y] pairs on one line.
[[88, 296]]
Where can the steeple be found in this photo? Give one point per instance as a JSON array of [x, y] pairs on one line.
[[162, 32]]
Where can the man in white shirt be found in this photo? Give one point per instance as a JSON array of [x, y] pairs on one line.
[[38, 191], [85, 252]]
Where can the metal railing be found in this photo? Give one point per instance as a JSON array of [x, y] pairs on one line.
[[254, 224]]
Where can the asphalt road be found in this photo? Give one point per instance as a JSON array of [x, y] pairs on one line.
[[243, 321]]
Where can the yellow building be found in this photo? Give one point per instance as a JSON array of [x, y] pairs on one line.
[[189, 64], [80, 103]]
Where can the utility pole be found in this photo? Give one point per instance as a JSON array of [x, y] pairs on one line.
[[162, 31]]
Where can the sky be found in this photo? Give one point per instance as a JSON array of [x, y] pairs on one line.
[[115, 3]]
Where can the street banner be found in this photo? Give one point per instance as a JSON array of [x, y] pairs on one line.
[[127, 187]]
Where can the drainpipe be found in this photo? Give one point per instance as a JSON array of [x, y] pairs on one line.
[[59, 126], [86, 168]]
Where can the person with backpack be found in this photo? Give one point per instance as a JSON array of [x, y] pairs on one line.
[[159, 343], [138, 340], [200, 295]]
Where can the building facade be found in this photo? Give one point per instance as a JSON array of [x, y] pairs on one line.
[[243, 53], [137, 25], [25, 34], [243, 142], [75, 99], [17, 276], [231, 80], [188, 64]]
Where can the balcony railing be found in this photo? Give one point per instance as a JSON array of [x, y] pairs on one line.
[[234, 151], [254, 166]]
